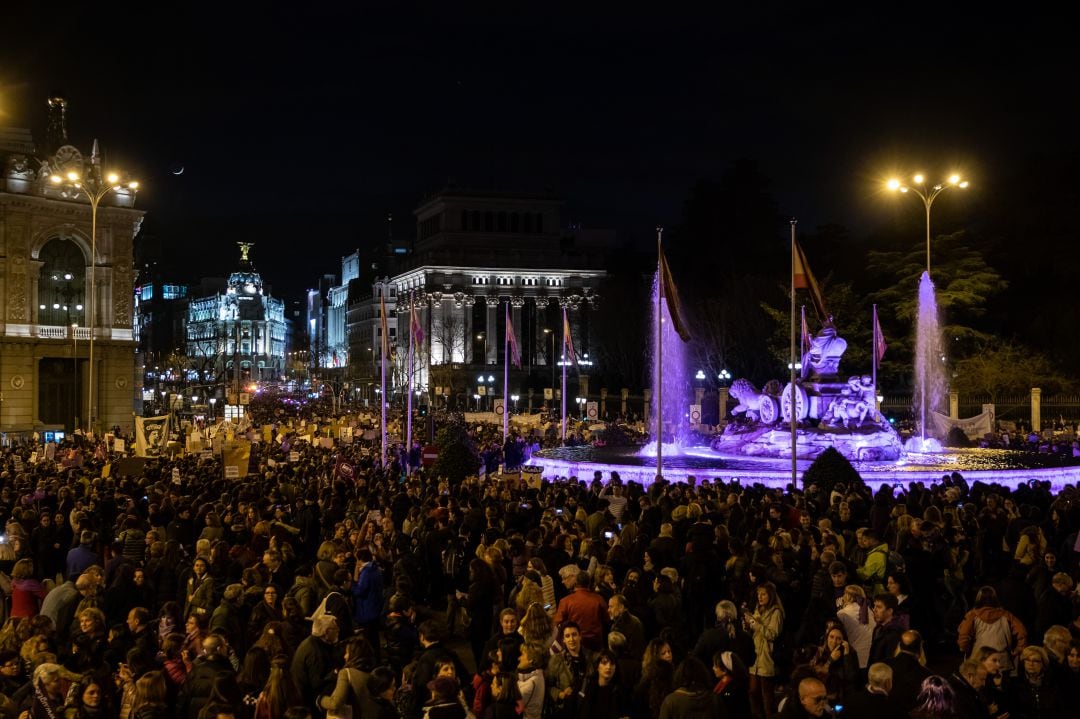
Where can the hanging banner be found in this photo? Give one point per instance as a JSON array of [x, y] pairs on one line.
[[592, 411], [695, 414]]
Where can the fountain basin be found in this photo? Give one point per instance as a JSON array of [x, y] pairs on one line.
[[992, 466]]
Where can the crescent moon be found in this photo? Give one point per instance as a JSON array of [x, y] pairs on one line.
[[180, 171]]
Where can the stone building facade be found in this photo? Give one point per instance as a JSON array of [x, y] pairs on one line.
[[45, 294]]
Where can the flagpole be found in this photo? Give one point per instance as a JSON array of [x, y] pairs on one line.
[[382, 363], [793, 399], [506, 374], [659, 356], [562, 417], [408, 415], [873, 352]]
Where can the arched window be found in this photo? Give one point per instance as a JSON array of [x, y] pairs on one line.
[[61, 292]]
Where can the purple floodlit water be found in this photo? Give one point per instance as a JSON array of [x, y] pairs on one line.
[[674, 379], [930, 381]]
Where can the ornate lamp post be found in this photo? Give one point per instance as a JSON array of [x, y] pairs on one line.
[[95, 186], [927, 195]]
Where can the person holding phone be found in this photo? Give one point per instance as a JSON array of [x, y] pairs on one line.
[[838, 664]]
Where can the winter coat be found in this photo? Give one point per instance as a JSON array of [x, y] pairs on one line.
[[768, 624]]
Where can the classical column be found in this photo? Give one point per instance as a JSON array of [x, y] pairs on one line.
[[467, 332], [624, 394], [530, 400], [954, 404], [516, 303], [603, 402], [1036, 409], [648, 402], [723, 395], [491, 341]]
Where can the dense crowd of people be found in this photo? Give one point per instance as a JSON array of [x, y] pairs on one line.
[[301, 591]]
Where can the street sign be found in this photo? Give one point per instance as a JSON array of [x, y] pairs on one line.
[[481, 390], [429, 455], [498, 407], [592, 411], [245, 398], [548, 393], [438, 391], [695, 414]]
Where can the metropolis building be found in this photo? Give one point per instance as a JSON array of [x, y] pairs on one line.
[[46, 264], [239, 334]]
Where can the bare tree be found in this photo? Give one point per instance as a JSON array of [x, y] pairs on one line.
[[448, 331]]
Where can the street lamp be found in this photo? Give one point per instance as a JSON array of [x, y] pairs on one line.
[[213, 401], [477, 398], [927, 195], [95, 187], [514, 398], [724, 377], [483, 336]]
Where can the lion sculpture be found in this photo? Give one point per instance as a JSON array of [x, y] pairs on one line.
[[751, 402]]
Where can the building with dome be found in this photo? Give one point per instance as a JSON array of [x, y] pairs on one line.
[[238, 335]]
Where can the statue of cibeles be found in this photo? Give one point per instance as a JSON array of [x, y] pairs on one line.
[[826, 349]]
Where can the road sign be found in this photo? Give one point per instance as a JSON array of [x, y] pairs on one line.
[[429, 455], [481, 390], [695, 414], [498, 407], [548, 393], [245, 398], [592, 411]]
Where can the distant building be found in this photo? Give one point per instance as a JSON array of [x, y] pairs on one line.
[[239, 334], [45, 300], [474, 254]]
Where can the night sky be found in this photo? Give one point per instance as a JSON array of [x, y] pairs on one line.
[[317, 120]]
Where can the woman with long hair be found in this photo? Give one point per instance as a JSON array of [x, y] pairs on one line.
[[603, 696], [764, 622], [359, 661], [692, 696], [27, 592], [657, 677], [86, 700], [268, 610], [732, 683], [837, 664], [280, 691], [988, 624], [937, 700], [993, 691], [537, 627], [150, 697], [480, 600], [547, 584]]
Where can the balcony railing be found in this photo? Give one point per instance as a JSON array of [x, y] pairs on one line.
[[60, 332]]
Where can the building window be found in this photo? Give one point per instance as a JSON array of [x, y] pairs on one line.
[[514, 222], [489, 222], [539, 222], [502, 222], [528, 222]]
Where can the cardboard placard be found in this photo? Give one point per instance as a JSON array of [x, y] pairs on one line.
[[294, 456], [232, 472]]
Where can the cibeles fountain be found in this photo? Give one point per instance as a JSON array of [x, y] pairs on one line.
[[829, 410]]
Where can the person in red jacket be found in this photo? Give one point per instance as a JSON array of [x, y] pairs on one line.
[[587, 609]]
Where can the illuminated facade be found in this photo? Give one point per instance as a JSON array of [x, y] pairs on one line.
[[243, 329], [45, 267], [474, 254]]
